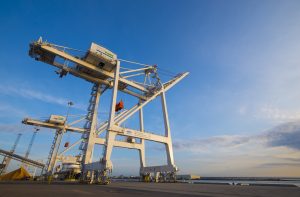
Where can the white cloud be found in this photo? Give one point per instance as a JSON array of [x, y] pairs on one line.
[[12, 128], [242, 110], [285, 135], [244, 155], [277, 114], [19, 128], [33, 94], [7, 110], [212, 143]]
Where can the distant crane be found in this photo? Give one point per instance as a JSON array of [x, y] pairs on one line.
[[21, 159], [59, 124], [30, 144], [6, 159]]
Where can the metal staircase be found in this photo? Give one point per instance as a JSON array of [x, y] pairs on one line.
[[92, 108], [54, 148], [89, 119]]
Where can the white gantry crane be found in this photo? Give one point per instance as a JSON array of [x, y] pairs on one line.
[[102, 67], [61, 126]]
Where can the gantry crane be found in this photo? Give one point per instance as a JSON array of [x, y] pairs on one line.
[[6, 159], [102, 67], [61, 127]]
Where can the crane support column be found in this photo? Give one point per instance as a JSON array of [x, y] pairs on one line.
[[111, 122], [142, 150], [165, 172], [87, 145], [169, 148], [92, 132], [53, 151], [110, 135]]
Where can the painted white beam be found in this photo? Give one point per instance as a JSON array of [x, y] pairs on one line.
[[142, 150], [119, 144], [164, 168], [95, 80], [136, 70], [89, 66], [127, 145], [140, 135], [39, 123]]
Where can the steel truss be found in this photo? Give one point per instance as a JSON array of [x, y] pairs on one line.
[[146, 91]]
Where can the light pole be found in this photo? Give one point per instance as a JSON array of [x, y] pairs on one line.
[[70, 103]]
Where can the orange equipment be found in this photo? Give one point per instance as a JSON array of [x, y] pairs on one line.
[[119, 106]]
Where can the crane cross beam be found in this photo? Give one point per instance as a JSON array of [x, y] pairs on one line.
[[29, 121]]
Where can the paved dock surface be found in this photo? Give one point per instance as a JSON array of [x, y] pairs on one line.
[[125, 189]]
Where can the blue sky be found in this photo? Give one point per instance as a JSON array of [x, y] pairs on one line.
[[236, 114]]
